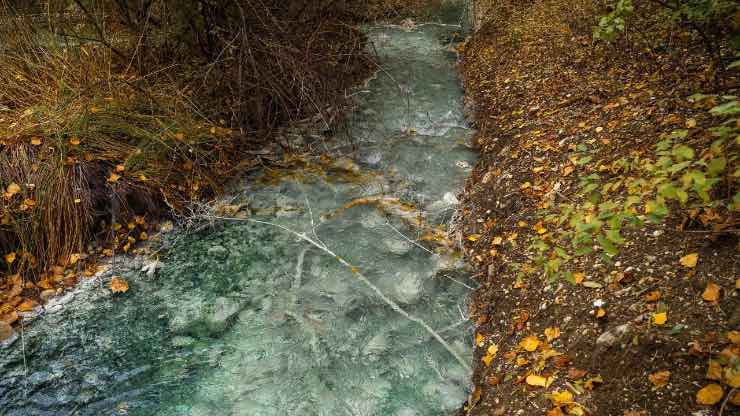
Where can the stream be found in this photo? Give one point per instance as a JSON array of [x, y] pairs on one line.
[[246, 319]]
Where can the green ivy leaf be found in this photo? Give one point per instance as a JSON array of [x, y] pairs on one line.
[[716, 166], [615, 237], [683, 152]]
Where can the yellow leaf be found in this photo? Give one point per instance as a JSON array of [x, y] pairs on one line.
[[710, 394], [530, 343], [474, 237], [689, 260], [540, 228], [552, 333], [74, 258], [492, 349], [600, 312], [579, 277], [74, 141], [487, 359], [113, 178], [521, 361], [711, 292], [691, 123], [714, 371], [497, 241], [10, 258], [479, 339], [660, 318], [180, 136], [13, 189], [36, 141], [734, 337], [120, 168], [561, 398], [659, 379], [118, 285], [144, 236], [538, 381], [732, 377]]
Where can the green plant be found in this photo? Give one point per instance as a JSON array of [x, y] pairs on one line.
[[613, 23]]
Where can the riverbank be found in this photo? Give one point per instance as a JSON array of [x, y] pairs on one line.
[[601, 216]]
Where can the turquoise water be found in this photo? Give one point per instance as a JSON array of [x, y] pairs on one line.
[[246, 319]]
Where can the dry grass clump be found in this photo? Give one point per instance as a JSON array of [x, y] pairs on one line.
[[98, 114]]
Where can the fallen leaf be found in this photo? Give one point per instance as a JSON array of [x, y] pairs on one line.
[[591, 383], [735, 399], [114, 177], [600, 313], [552, 333], [492, 349], [714, 371], [579, 277], [734, 337], [479, 339], [653, 296], [27, 305], [710, 394], [659, 379], [530, 343], [12, 189], [118, 285], [10, 258], [487, 360], [474, 237], [660, 318], [689, 260], [537, 381], [36, 141], [732, 377], [711, 292], [561, 398], [574, 373], [74, 141]]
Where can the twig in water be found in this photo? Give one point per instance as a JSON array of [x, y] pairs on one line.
[[361, 277], [408, 239]]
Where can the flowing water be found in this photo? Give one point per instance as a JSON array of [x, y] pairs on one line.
[[245, 319]]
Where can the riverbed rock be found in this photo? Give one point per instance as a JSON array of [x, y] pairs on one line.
[[218, 252]]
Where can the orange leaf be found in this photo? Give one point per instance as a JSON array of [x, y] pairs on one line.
[[711, 292], [118, 285], [710, 394], [689, 260], [659, 379]]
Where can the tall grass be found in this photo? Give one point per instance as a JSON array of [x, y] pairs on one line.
[[98, 113]]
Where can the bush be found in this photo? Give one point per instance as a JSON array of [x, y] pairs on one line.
[[111, 109]]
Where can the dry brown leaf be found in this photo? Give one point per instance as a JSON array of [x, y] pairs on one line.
[[574, 373], [660, 379], [653, 296]]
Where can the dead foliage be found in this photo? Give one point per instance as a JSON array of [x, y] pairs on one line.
[[111, 110]]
